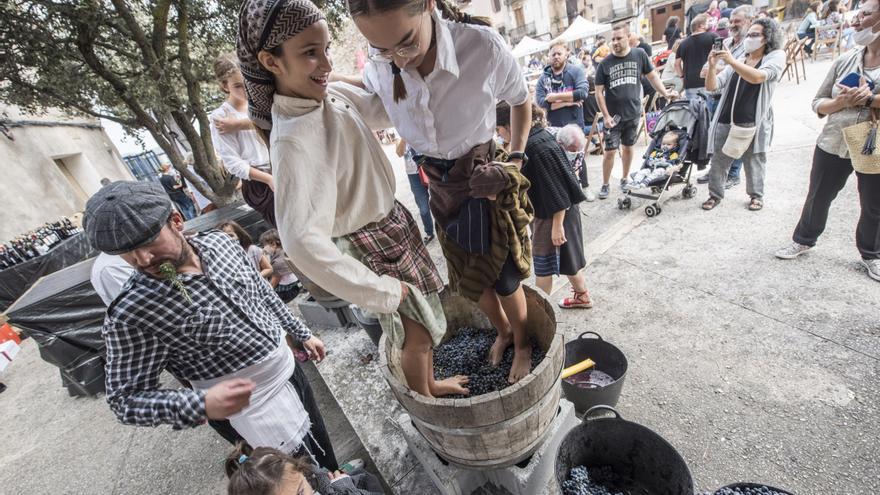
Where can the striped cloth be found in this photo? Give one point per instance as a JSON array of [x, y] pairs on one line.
[[510, 217]]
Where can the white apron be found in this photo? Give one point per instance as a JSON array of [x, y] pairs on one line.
[[275, 416]]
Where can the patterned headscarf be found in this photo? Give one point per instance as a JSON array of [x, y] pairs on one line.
[[263, 25]]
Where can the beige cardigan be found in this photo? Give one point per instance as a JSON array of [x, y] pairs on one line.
[[332, 178]]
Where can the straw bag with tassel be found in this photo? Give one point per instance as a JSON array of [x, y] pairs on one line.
[[861, 141]]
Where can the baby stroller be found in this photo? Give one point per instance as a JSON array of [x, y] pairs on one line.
[[689, 120]]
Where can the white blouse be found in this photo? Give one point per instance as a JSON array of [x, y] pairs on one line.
[[332, 178], [240, 150], [452, 109]]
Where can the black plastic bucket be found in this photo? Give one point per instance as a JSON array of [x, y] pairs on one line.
[[608, 358], [633, 452], [751, 485]]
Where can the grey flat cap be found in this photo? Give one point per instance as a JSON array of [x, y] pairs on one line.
[[126, 215]]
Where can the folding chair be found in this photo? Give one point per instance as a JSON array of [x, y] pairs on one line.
[[595, 133], [790, 60], [832, 41]]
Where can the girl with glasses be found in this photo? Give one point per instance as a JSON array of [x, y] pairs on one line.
[[439, 73]]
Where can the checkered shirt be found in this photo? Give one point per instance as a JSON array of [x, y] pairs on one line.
[[235, 320]]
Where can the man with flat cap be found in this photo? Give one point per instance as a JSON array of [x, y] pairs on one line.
[[197, 308]]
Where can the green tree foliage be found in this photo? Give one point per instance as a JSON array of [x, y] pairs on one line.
[[145, 64]]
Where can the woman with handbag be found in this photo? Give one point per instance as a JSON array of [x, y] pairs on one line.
[[841, 145], [742, 127]]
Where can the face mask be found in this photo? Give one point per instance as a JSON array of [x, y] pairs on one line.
[[571, 155], [865, 37], [752, 44]]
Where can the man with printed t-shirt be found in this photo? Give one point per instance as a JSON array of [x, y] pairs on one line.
[[619, 92]]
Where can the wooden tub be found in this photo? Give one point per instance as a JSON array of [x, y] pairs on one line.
[[493, 430]]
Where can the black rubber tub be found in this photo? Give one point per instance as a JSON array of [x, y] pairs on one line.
[[646, 463], [608, 358], [735, 486]]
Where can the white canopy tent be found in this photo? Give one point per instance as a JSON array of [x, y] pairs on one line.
[[581, 28], [528, 46]]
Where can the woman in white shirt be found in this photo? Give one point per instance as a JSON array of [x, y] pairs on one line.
[[337, 217], [439, 74], [236, 142]]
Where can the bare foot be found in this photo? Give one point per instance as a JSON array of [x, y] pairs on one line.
[[452, 385], [502, 342], [522, 364]]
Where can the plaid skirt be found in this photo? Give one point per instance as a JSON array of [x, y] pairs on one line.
[[393, 246]]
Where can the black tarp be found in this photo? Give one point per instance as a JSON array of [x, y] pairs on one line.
[[16, 280], [63, 313]]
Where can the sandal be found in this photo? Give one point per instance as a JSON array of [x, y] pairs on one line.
[[711, 203], [579, 300], [756, 204]]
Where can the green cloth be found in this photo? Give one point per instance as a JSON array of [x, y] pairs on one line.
[[424, 309]]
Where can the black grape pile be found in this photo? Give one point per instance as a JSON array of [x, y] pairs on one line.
[[467, 353], [592, 481], [762, 490]]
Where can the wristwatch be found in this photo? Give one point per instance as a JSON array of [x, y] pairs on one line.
[[518, 155]]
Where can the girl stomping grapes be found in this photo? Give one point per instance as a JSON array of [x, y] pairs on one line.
[[439, 73]]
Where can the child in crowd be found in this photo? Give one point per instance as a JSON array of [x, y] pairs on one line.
[[236, 141], [259, 260], [267, 471], [337, 216], [283, 279], [660, 161]]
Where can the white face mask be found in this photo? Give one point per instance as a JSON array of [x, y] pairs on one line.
[[752, 44], [571, 155], [865, 37]]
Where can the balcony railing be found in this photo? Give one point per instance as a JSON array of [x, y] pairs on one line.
[[520, 32]]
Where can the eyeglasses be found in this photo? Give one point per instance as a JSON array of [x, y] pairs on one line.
[[407, 51], [754, 35]]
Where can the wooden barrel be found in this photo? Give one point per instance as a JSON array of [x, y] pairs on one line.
[[492, 430]]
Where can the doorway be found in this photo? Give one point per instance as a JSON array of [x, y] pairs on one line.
[[659, 16]]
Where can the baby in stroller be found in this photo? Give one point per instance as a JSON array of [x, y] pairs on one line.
[[664, 159]]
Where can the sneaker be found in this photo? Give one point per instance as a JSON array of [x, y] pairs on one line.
[[731, 182], [623, 184], [578, 300], [604, 191], [590, 195], [703, 179], [352, 466], [873, 267], [792, 251]]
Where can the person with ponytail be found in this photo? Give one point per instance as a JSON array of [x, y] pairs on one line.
[[237, 143], [337, 217], [267, 471], [439, 73]]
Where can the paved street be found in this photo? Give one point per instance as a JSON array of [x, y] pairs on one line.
[[755, 369]]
